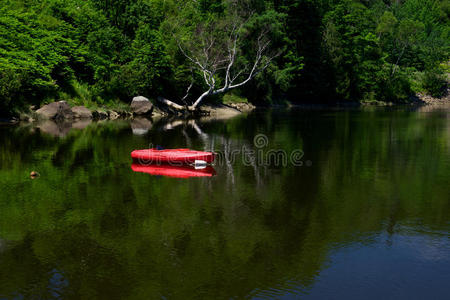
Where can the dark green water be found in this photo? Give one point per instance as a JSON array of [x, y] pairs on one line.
[[365, 213]]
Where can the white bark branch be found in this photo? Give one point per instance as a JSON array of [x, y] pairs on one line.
[[211, 59], [170, 103]]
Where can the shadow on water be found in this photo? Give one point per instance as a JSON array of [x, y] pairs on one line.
[[370, 208]]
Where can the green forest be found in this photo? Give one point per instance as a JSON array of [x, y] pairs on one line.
[[99, 51]]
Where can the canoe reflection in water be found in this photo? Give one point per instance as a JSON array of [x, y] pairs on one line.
[[174, 171]]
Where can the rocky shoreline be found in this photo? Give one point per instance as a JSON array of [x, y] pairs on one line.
[[61, 111], [429, 100], [141, 108], [59, 118]]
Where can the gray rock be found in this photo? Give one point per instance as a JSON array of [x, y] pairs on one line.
[[57, 110], [141, 106], [113, 115], [81, 112]]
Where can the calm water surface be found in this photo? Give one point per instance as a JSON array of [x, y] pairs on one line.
[[364, 213]]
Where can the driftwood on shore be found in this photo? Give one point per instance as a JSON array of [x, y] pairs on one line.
[[171, 104]]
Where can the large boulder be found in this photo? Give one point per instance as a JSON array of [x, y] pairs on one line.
[[141, 106], [81, 112], [56, 111]]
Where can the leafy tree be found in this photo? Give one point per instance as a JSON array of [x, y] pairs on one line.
[[39, 50], [227, 49], [144, 74]]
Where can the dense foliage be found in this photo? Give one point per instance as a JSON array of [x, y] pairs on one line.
[[94, 51]]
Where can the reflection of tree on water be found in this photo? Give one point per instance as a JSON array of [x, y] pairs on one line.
[[109, 231], [228, 151]]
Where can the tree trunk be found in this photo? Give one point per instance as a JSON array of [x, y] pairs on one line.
[[171, 104], [199, 99]]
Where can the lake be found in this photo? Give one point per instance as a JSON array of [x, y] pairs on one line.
[[300, 204]]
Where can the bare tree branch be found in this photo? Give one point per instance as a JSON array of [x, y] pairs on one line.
[[214, 55], [188, 89]]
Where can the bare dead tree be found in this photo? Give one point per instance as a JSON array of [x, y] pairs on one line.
[[216, 53]]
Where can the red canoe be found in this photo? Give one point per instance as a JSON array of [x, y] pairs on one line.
[[171, 156], [173, 171]]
